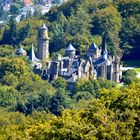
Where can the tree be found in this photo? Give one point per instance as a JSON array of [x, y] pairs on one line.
[[10, 36], [114, 116], [129, 76], [8, 97], [59, 83], [129, 34], [108, 20], [10, 80], [16, 66], [15, 8], [59, 101], [6, 51], [24, 32]]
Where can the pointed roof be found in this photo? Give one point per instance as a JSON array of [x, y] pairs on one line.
[[32, 53], [43, 26], [104, 45], [104, 48], [93, 47], [32, 56], [105, 54], [70, 48], [20, 50]]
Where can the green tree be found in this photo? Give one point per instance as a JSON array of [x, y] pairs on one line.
[[108, 20], [59, 101], [16, 66], [6, 51], [10, 80], [8, 97], [10, 36], [129, 76], [15, 8], [59, 83]]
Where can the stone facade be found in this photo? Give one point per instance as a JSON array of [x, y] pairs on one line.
[[95, 63], [43, 43]]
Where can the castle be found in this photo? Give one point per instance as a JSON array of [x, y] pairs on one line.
[[95, 63]]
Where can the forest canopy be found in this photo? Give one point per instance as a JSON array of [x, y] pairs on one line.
[[32, 108], [82, 22]]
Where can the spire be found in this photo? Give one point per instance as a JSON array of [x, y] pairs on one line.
[[43, 25], [104, 47], [32, 54]]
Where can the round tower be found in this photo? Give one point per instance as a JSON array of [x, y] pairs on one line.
[[43, 43], [70, 51]]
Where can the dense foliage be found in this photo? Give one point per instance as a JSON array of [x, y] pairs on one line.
[[82, 22], [32, 108], [115, 115], [35, 109]]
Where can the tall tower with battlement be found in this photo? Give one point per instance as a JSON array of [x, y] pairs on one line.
[[43, 43]]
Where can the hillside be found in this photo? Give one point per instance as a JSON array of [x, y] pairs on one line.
[[33, 108], [83, 22]]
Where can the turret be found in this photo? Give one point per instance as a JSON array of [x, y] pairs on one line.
[[21, 51], [93, 51], [43, 43], [70, 51]]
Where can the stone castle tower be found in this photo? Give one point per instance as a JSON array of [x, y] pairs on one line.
[[43, 43]]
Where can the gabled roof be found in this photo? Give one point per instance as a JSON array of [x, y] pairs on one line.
[[102, 61], [70, 48]]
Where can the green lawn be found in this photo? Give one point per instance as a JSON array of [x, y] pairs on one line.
[[137, 69]]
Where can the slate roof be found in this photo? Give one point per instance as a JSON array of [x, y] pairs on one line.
[[101, 61], [70, 48], [32, 56], [93, 47], [20, 50], [70, 71]]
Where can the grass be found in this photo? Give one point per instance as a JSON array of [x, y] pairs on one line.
[[137, 69]]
